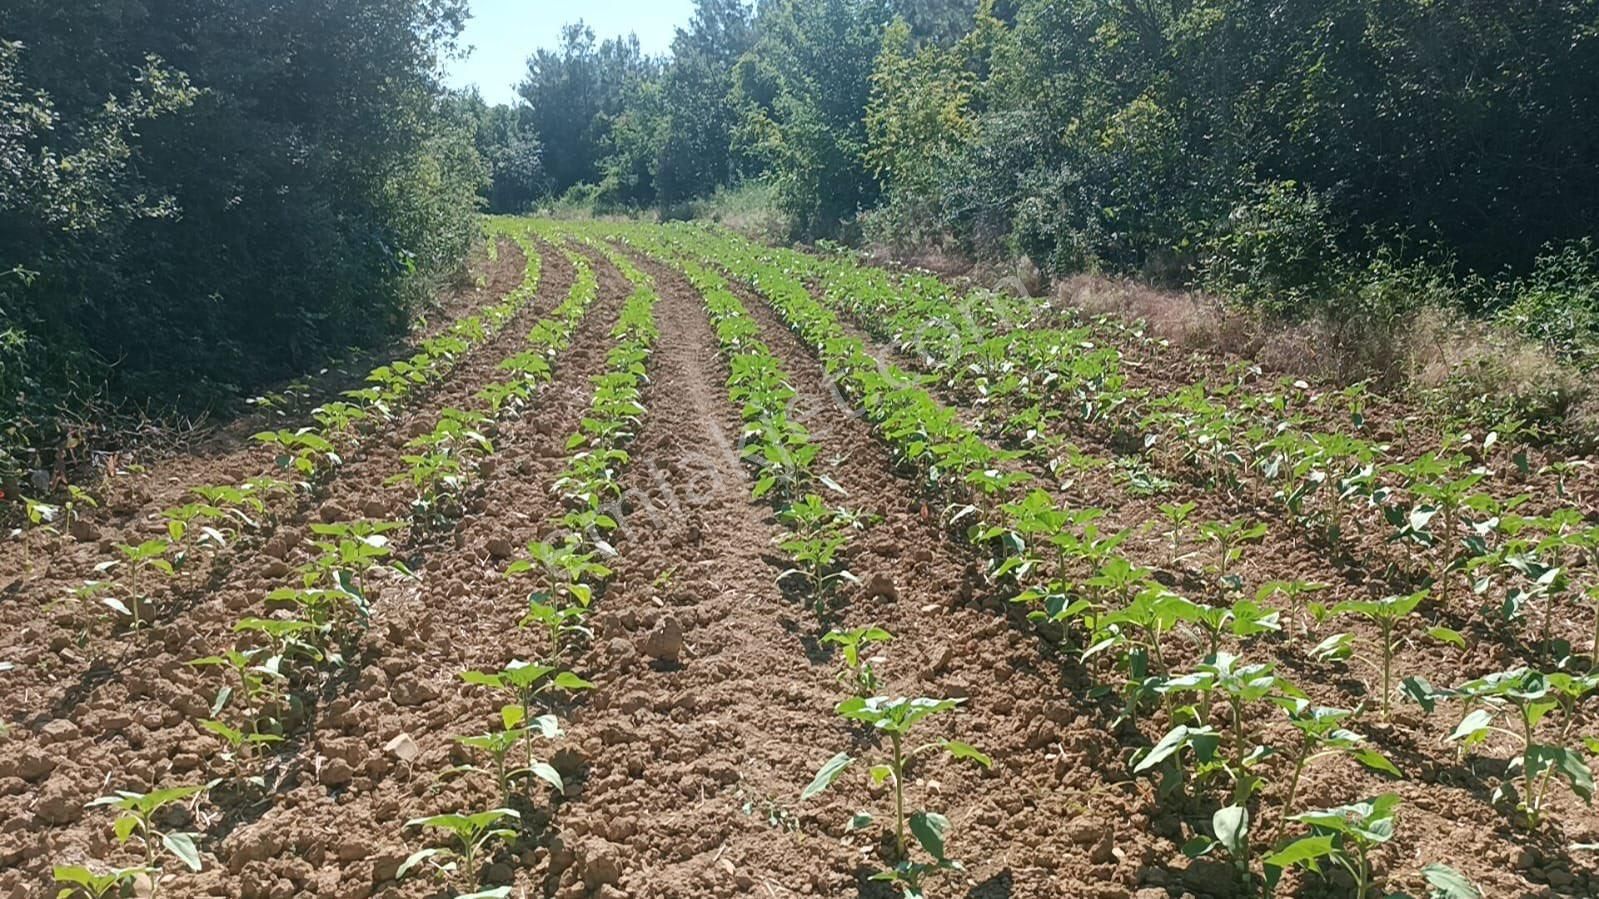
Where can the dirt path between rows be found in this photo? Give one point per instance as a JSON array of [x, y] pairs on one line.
[[133, 722], [463, 616], [676, 749], [1028, 828]]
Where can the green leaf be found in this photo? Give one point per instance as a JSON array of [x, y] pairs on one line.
[[1376, 761], [1447, 883], [222, 730], [1169, 744], [930, 829], [1568, 763], [414, 859], [1446, 635], [828, 773], [1231, 824], [1304, 851], [566, 680], [548, 774], [962, 750], [1478, 720], [182, 846], [1424, 694]]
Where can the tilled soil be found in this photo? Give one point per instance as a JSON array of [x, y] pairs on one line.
[[1446, 801], [713, 699]]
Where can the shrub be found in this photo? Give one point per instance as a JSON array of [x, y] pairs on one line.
[[1276, 251], [1558, 303]]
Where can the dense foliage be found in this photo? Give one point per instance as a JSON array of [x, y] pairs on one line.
[[1351, 158], [201, 197]]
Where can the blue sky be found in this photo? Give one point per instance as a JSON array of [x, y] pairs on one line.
[[503, 33]]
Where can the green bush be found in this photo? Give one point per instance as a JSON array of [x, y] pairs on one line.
[[1276, 252], [1558, 303], [203, 199]]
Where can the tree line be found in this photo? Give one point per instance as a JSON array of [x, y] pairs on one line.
[[1335, 156], [198, 198]]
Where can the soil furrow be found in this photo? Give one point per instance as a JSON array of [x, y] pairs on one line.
[[138, 721], [951, 639], [704, 700], [228, 456], [462, 616], [1091, 768], [63, 661]]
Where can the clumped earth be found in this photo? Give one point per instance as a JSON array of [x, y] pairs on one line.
[[712, 694]]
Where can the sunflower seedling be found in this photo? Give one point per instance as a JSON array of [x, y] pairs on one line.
[[1177, 515], [304, 452], [1322, 734], [513, 730], [895, 718], [151, 555], [858, 674], [1389, 615], [818, 535], [565, 577], [1529, 696], [1294, 593], [527, 683], [137, 818], [1230, 538], [38, 518], [472, 833], [1226, 688], [1344, 836], [1230, 824], [241, 744]]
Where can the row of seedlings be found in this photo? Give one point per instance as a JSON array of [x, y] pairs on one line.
[[218, 516], [567, 575], [509, 749], [307, 631], [780, 454], [1213, 747], [1450, 532]]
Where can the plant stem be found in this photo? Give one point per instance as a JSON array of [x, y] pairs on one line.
[[1594, 654], [1387, 664], [899, 797], [1293, 782], [134, 599], [1238, 732], [1530, 799], [526, 722]]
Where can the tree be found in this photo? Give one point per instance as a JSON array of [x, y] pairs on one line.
[[212, 196], [510, 149], [802, 92], [696, 152], [574, 94]]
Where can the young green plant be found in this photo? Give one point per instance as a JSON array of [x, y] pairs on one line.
[[472, 833], [895, 718], [137, 817]]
